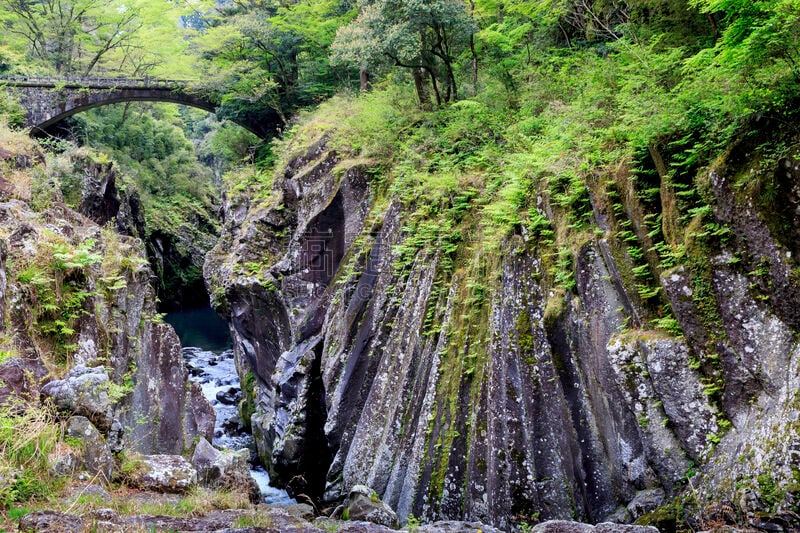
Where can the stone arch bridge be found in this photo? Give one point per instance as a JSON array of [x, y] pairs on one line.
[[49, 100]]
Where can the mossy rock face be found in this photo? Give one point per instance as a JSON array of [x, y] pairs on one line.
[[480, 328], [665, 518]]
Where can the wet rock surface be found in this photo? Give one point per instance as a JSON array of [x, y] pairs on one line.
[[212, 372]]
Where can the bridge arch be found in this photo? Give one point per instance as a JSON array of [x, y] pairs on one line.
[[48, 101]]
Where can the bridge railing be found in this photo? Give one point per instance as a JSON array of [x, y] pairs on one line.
[[94, 83]]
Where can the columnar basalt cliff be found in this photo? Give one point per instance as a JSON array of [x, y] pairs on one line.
[[463, 382]]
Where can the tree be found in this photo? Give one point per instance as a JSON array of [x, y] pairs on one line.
[[84, 37], [71, 36], [424, 36], [271, 54]]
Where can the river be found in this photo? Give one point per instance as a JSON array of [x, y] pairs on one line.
[[209, 358]]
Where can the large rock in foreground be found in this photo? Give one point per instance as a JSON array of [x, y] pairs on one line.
[[165, 412], [563, 526], [225, 469], [85, 392], [96, 457], [276, 519], [363, 504], [164, 473]]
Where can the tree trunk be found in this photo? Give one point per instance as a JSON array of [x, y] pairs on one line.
[[474, 53], [452, 81], [713, 23], [422, 91], [365, 83], [435, 88]]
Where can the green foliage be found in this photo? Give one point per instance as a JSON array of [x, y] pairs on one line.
[[248, 403], [27, 436], [426, 37], [769, 491], [57, 290], [86, 36], [151, 148], [269, 55], [158, 165], [11, 109]]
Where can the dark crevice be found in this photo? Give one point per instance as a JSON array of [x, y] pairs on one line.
[[317, 460], [179, 280]]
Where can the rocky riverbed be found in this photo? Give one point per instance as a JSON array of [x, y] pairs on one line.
[[209, 359], [215, 372]]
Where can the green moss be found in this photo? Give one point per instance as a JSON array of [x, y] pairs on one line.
[[665, 518], [525, 337], [769, 490], [555, 308], [247, 404]]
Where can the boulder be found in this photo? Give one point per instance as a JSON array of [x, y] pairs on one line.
[[50, 521], [225, 469], [231, 396], [455, 526], [645, 501], [199, 416], [89, 492], [20, 379], [363, 504], [219, 521], [302, 511], [608, 527], [84, 392], [64, 461], [95, 456], [363, 527], [564, 526], [206, 460], [164, 473], [165, 412], [114, 437], [331, 524]]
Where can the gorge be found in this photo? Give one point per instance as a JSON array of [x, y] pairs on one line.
[[484, 266]]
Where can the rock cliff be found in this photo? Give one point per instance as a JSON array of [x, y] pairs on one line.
[[79, 319], [463, 378], [93, 185]]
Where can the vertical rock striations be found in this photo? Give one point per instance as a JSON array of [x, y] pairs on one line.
[[464, 384]]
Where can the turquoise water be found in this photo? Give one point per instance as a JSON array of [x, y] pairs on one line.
[[202, 328]]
